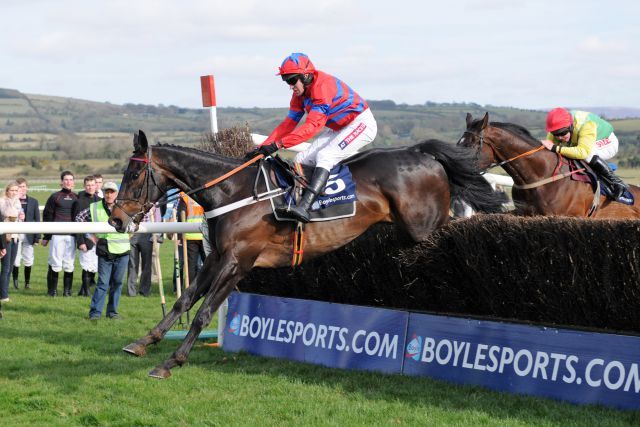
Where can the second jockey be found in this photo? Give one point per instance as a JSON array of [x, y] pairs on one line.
[[336, 114], [585, 136]]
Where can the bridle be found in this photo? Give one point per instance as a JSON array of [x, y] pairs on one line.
[[149, 180], [496, 152]]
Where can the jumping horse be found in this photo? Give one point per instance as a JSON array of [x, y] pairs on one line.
[[411, 187], [542, 179]]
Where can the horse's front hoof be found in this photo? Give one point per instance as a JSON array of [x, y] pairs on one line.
[[135, 349], [161, 373]]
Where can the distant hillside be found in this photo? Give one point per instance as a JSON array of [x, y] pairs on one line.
[[69, 120], [613, 112], [24, 113]]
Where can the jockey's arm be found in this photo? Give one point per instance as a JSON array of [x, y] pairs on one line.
[[311, 127], [288, 124], [586, 142]]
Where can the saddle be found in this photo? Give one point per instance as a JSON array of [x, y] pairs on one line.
[[338, 199], [589, 176]]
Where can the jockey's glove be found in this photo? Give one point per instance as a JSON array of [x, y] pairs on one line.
[[266, 150]]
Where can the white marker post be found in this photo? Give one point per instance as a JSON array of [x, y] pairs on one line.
[[207, 86]]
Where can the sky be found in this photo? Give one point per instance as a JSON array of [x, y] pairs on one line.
[[525, 54]]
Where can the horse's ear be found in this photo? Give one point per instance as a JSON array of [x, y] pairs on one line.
[[136, 142], [469, 119], [142, 141], [485, 120]]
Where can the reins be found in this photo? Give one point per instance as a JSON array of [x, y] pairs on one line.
[[150, 177], [535, 184]]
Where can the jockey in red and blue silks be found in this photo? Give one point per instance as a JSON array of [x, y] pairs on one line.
[[339, 117]]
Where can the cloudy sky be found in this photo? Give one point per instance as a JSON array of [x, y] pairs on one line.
[[528, 54]]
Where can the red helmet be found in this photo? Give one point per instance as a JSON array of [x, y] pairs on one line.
[[558, 118], [296, 63]]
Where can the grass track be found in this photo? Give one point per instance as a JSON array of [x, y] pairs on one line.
[[57, 368]]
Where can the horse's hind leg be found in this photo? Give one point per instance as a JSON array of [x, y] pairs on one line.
[[224, 283], [184, 303], [421, 216]]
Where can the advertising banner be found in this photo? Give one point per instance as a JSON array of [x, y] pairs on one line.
[[335, 335], [576, 366]]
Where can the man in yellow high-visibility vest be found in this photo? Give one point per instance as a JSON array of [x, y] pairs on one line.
[[195, 249], [113, 255]]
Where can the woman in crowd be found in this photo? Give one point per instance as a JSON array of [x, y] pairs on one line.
[[11, 211]]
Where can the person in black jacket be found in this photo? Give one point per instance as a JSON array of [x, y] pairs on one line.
[[88, 258], [31, 209], [62, 251]]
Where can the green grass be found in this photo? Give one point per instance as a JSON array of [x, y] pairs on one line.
[[57, 368]]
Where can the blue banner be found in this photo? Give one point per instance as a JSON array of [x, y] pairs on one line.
[[335, 335], [576, 366]]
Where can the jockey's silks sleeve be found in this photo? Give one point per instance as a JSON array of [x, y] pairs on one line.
[[328, 102], [581, 143]]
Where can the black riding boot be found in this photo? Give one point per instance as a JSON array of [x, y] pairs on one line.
[[68, 282], [301, 210], [15, 272], [27, 277], [86, 282], [52, 282], [602, 169]]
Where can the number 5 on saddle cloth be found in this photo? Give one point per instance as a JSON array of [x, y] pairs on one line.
[[337, 200]]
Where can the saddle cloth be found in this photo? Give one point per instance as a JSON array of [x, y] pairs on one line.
[[590, 177], [338, 200]]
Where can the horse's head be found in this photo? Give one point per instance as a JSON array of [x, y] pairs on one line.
[[473, 137], [140, 189]]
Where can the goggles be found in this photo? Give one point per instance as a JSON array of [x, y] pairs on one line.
[[291, 79], [561, 132]]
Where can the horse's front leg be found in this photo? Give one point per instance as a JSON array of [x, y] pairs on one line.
[[228, 276], [182, 304]]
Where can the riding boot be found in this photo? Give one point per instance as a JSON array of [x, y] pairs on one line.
[[15, 272], [52, 282], [300, 211], [27, 277], [602, 169], [68, 282], [84, 288]]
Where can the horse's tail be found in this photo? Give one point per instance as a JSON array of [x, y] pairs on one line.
[[466, 182]]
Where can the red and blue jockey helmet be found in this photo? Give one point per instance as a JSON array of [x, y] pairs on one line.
[[558, 118], [296, 63]]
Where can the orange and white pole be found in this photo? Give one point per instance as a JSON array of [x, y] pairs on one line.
[[207, 86]]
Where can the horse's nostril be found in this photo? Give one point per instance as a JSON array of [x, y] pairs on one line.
[[115, 223]]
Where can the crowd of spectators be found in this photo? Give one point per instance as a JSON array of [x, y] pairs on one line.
[[108, 255]]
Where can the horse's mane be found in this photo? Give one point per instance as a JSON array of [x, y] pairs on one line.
[[519, 131], [199, 153]]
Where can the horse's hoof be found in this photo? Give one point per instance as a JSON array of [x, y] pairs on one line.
[[135, 349], [161, 373]]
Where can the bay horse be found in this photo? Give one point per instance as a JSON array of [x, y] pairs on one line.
[[542, 183], [411, 187]]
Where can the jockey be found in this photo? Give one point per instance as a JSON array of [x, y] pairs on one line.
[[585, 136], [330, 104]]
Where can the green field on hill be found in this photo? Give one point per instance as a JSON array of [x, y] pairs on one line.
[[43, 135]]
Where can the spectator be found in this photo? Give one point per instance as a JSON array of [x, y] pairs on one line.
[[99, 181], [113, 255], [10, 209], [195, 249], [24, 254], [62, 251], [88, 257], [141, 258]]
